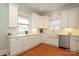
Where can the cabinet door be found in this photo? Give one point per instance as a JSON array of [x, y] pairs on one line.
[[70, 18], [77, 45], [35, 40], [29, 42], [51, 41], [26, 43], [15, 45], [73, 17], [73, 43], [13, 15], [54, 41], [35, 20], [43, 22], [65, 20], [78, 16]]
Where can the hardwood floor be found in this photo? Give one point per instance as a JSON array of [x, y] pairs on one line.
[[47, 50]]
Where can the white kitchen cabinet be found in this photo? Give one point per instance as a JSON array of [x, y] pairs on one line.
[[73, 43], [35, 20], [30, 42], [15, 45], [70, 18], [25, 43], [73, 17], [51, 40], [39, 21], [77, 44], [78, 16], [13, 15], [65, 20], [34, 40], [43, 23]]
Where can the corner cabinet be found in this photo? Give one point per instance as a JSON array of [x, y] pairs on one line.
[[39, 21], [51, 40], [43, 21], [70, 18], [13, 15], [30, 41], [35, 20]]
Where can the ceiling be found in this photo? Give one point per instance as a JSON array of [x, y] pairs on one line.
[[48, 7]]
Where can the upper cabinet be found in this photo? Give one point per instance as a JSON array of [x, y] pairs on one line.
[[35, 20], [73, 17], [39, 21], [70, 18], [43, 21], [65, 20], [13, 15], [78, 16]]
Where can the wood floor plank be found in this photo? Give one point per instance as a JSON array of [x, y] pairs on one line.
[[47, 50]]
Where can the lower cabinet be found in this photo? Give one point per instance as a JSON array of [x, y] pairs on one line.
[[51, 40], [34, 40], [26, 43], [77, 45], [74, 43], [15, 45], [19, 44]]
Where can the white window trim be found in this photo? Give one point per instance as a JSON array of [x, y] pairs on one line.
[[22, 23]]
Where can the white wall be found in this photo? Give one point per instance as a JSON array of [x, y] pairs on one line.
[[3, 26]]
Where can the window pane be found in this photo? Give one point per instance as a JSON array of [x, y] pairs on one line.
[[55, 22], [23, 27], [23, 23], [23, 20]]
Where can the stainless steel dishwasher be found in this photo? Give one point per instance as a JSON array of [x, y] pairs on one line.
[[64, 41]]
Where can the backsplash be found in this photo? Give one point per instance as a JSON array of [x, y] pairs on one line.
[[74, 31]]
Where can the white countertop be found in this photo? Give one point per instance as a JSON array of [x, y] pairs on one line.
[[49, 35], [22, 35]]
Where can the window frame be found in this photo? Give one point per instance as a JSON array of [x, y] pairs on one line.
[[23, 23], [57, 19]]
